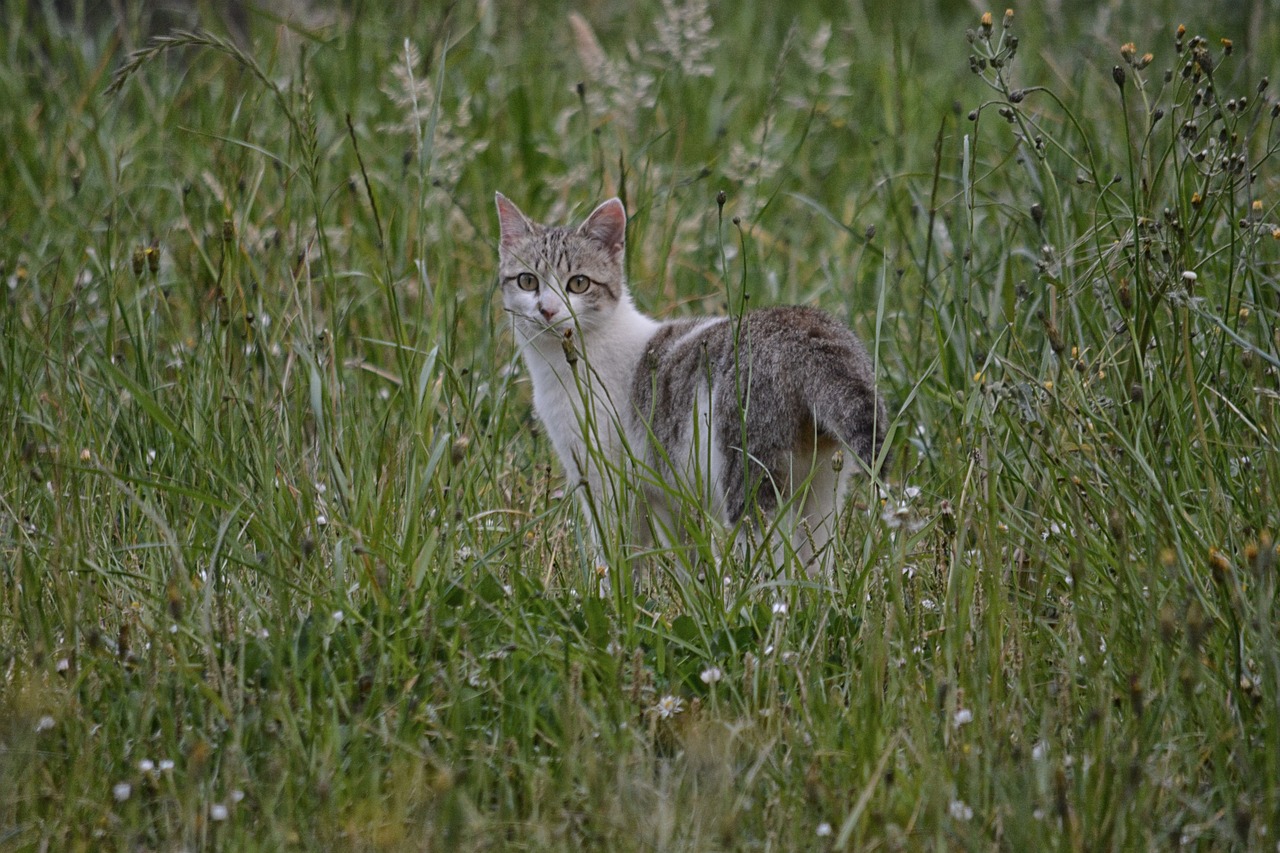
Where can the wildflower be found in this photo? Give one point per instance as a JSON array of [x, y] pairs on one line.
[[165, 765], [963, 717], [1040, 751], [961, 810], [779, 608], [1127, 51], [218, 812], [823, 830], [237, 795], [711, 675], [338, 616], [121, 791], [86, 454], [44, 724], [668, 706], [987, 23], [146, 765]]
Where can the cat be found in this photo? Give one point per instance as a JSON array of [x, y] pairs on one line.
[[751, 416]]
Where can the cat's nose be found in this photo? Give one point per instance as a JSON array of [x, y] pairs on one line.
[[547, 313]]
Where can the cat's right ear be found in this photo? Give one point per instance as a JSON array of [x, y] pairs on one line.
[[607, 225], [512, 224]]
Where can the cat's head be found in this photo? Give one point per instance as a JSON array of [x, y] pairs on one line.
[[557, 278]]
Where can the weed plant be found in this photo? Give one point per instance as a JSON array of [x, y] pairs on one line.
[[284, 561]]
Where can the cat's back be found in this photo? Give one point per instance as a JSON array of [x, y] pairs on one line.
[[790, 366], [778, 340]]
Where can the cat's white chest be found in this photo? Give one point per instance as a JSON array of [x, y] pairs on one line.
[[583, 403]]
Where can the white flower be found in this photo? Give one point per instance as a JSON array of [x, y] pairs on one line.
[[963, 717], [1040, 751], [44, 723], [928, 604], [338, 616], [779, 608], [960, 810], [166, 764], [668, 706], [64, 664], [911, 492], [237, 795], [711, 675], [218, 812], [824, 829], [146, 765], [121, 791]]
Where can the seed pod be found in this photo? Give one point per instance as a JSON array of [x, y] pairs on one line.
[[570, 351]]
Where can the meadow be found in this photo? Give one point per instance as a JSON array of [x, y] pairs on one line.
[[286, 562]]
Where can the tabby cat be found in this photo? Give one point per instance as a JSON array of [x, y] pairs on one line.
[[747, 418]]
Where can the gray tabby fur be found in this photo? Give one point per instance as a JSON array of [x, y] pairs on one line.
[[668, 407]]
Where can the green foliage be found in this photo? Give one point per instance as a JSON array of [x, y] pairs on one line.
[[284, 563]]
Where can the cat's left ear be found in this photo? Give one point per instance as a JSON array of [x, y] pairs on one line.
[[607, 225], [512, 224]]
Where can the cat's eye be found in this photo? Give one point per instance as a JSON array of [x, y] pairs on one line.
[[578, 284], [527, 281]]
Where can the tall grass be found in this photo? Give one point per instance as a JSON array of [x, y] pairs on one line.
[[284, 559]]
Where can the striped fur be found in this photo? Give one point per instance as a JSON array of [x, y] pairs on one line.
[[743, 414]]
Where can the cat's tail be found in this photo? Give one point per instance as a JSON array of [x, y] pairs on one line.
[[847, 407]]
